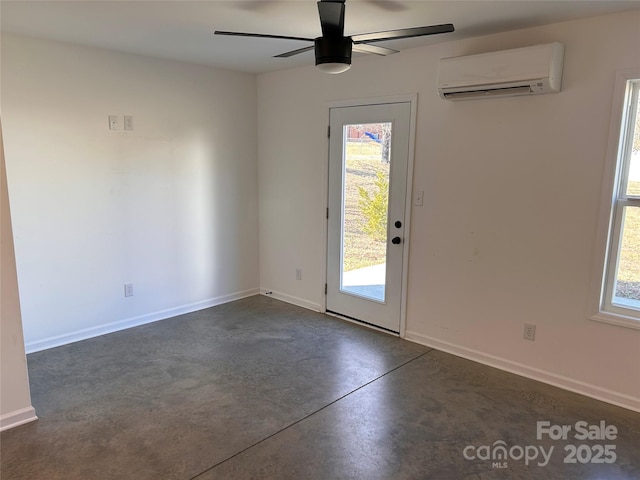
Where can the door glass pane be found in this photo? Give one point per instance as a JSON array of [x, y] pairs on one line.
[[366, 154], [627, 291]]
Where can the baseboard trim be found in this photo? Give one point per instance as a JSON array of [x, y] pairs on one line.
[[616, 398], [17, 418], [300, 302], [87, 333]]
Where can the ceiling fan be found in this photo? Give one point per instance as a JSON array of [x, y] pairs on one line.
[[333, 50]]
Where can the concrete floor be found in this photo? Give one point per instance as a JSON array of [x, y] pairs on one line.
[[258, 389]]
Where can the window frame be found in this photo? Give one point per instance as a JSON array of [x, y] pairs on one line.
[[615, 199]]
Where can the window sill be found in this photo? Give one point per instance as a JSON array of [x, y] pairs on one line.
[[616, 319]]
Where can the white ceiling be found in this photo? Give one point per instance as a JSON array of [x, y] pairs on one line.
[[183, 30]]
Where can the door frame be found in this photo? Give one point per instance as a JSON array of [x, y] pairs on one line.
[[412, 99]]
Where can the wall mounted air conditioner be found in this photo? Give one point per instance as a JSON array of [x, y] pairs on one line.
[[520, 71]]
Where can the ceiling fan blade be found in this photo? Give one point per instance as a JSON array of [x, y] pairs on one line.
[[261, 35], [375, 49], [403, 33], [294, 52], [331, 18]]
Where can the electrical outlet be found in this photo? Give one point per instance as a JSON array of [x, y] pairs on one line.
[[128, 289], [128, 122], [298, 274], [529, 332]]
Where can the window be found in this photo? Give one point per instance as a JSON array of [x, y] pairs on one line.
[[620, 286]]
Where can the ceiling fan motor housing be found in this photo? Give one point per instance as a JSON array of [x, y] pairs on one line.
[[333, 50]]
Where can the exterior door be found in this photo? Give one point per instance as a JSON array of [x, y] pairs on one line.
[[368, 166]]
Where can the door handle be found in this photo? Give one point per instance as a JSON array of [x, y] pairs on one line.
[[396, 240]]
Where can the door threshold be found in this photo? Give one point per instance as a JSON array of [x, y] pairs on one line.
[[362, 322]]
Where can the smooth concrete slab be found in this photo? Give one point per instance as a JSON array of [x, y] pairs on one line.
[[366, 282], [170, 399], [259, 389], [416, 421]]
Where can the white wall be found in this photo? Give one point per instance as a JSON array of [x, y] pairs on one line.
[[512, 193], [15, 399], [170, 207]]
